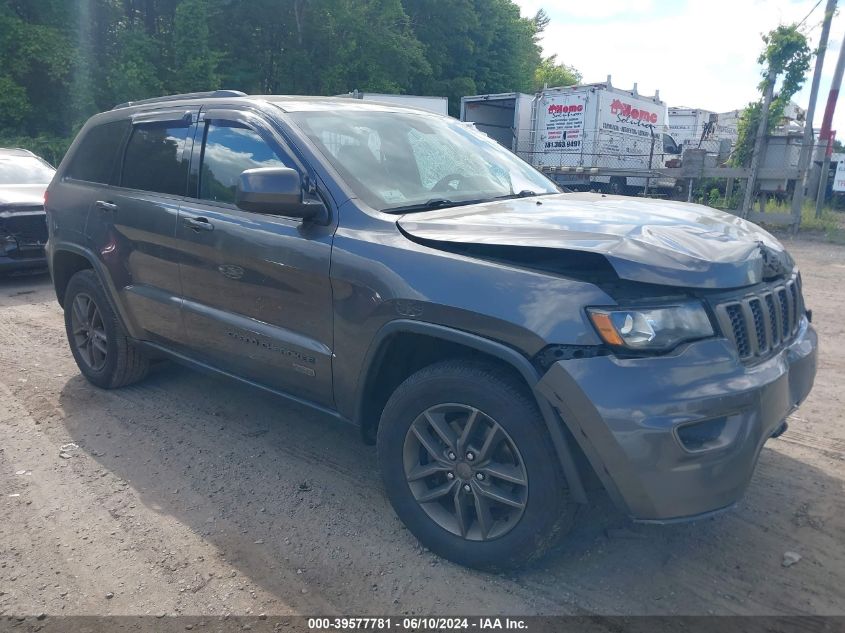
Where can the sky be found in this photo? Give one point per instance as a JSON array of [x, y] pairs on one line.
[[697, 53]]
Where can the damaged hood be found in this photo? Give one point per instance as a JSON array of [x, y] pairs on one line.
[[22, 195], [644, 240]]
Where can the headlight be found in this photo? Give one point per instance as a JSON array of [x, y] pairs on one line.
[[651, 329]]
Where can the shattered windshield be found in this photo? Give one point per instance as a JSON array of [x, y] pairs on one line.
[[398, 161]]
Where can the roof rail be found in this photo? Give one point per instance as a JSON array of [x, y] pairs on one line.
[[213, 94]]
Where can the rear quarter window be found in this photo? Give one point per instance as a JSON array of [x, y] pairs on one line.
[[97, 153]]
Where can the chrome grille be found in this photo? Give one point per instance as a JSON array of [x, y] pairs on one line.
[[764, 320]]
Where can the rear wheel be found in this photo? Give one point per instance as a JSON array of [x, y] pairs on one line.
[[468, 467], [100, 346]]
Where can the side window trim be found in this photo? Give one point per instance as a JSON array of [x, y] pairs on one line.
[[245, 118], [179, 118], [258, 124], [188, 116]]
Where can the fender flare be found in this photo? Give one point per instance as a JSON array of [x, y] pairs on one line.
[[102, 274], [498, 350]]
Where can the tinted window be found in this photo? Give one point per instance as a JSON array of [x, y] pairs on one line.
[[96, 154], [230, 149], [154, 159]]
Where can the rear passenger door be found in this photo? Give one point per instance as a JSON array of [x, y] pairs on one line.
[[256, 288], [134, 225]]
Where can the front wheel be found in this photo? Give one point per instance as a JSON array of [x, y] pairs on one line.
[[468, 466]]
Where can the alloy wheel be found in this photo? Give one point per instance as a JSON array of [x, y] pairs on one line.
[[465, 472], [89, 333]]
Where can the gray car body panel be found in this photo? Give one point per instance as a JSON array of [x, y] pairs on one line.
[[649, 241], [377, 275]]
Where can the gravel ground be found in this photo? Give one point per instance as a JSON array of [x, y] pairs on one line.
[[189, 494]]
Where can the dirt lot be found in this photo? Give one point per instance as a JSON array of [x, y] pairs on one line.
[[189, 494]]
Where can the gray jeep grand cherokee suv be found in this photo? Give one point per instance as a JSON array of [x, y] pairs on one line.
[[508, 347]]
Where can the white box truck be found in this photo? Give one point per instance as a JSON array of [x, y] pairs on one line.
[[573, 133], [694, 128], [587, 129], [505, 117]]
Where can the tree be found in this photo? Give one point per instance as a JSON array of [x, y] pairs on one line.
[[474, 46], [550, 73], [134, 70], [194, 61], [34, 60], [787, 55], [63, 60]]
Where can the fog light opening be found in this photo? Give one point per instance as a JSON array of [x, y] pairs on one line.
[[702, 436]]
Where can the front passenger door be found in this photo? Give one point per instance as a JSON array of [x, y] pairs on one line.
[[256, 289]]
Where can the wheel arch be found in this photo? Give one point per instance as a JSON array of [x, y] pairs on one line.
[[67, 259], [64, 265], [445, 342]]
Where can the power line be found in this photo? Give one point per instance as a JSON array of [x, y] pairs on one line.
[[810, 13]]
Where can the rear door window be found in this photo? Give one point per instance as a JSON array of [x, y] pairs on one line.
[[155, 160], [96, 155]]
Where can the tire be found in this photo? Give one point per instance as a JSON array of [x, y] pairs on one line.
[[448, 392], [618, 186], [116, 360]]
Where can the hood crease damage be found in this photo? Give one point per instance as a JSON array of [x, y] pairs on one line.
[[643, 240]]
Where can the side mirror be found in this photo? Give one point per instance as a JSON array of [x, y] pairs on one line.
[[275, 190]]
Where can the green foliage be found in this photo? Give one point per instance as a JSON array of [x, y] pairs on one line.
[[714, 198], [52, 149], [34, 60], [14, 104], [63, 60], [829, 222], [787, 55], [550, 73], [746, 130], [133, 72], [194, 61]]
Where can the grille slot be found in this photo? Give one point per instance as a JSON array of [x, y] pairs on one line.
[[740, 332], [793, 291], [762, 322], [759, 324], [773, 319], [784, 312]]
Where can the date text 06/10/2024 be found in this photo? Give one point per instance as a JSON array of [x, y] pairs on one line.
[[416, 624]]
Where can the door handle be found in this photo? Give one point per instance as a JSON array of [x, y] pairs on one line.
[[198, 224], [106, 206]]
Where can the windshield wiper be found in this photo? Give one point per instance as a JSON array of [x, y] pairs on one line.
[[525, 193], [434, 203]]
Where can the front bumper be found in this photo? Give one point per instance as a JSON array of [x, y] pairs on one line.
[[628, 416], [23, 234], [26, 262]]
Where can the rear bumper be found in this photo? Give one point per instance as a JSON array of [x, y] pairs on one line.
[[632, 418]]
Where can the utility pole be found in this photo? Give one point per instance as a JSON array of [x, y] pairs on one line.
[[751, 183], [807, 143], [825, 133]]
